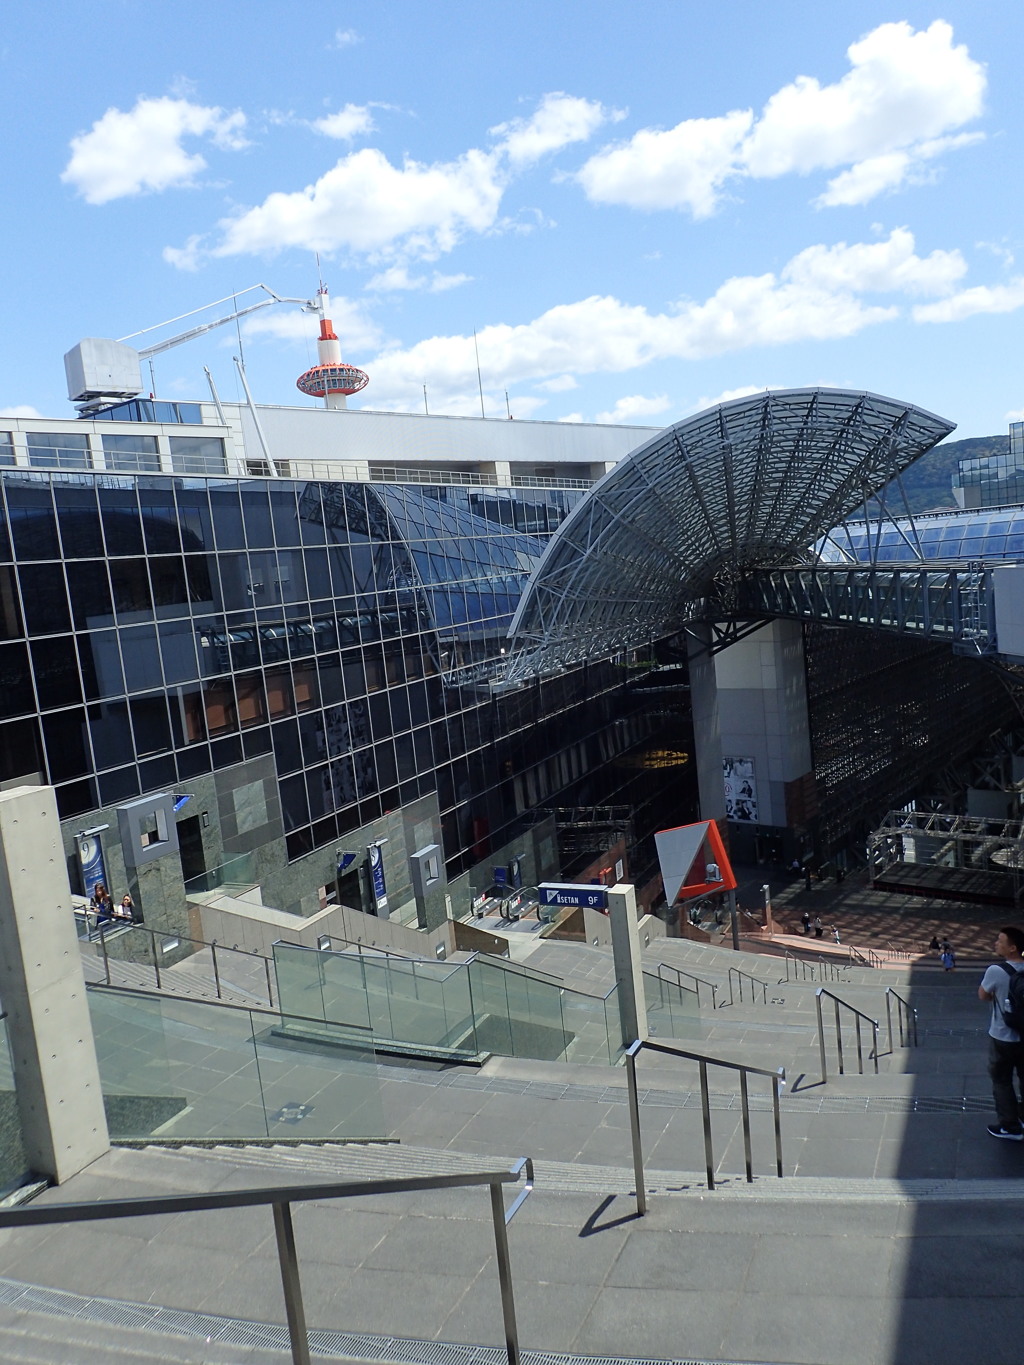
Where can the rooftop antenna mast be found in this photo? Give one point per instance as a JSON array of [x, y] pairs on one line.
[[479, 379]]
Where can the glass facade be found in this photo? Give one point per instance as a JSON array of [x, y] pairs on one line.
[[993, 480], [944, 535], [154, 629]]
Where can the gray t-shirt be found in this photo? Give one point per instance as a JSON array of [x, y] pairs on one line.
[[997, 980]]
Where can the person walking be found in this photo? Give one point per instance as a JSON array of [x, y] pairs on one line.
[[805, 920], [819, 928], [1001, 987], [948, 959]]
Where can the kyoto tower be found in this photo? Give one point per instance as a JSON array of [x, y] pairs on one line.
[[330, 379]]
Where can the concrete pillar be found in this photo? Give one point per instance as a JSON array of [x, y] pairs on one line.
[[56, 1075], [628, 967]]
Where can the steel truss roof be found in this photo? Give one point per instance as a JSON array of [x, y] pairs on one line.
[[747, 485]]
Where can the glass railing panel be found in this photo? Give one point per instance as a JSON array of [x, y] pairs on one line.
[[540, 1031], [299, 981], [586, 1023], [171, 1068], [13, 1163], [672, 1010], [195, 1069], [237, 874], [489, 987]]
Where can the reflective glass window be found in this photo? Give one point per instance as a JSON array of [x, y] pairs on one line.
[[75, 798], [6, 448], [120, 785], [32, 521], [45, 598], [67, 752], [134, 453], [280, 700], [119, 512], [313, 737], [221, 714], [331, 685], [194, 762], [100, 660], [318, 792], [170, 588], [200, 580], [58, 450], [21, 752], [225, 753], [79, 519], [287, 753], [227, 516], [252, 701], [198, 455], [141, 655], [10, 608], [343, 782], [129, 581], [311, 515], [304, 687], [159, 517], [55, 666], [294, 803], [188, 714], [194, 517], [16, 694], [318, 574], [157, 773], [259, 533], [150, 723], [284, 515], [387, 768], [91, 603], [255, 742]]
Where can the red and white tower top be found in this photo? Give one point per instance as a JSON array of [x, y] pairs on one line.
[[330, 379]]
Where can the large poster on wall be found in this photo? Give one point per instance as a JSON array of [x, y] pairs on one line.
[[740, 790]]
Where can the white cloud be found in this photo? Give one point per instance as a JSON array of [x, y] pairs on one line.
[[187, 257], [366, 204], [345, 37], [20, 410], [397, 277], [634, 405], [127, 153], [983, 298], [872, 177], [558, 121], [817, 295], [681, 168], [890, 114], [570, 417], [562, 383], [877, 267], [347, 123], [397, 213], [355, 330], [1015, 415]]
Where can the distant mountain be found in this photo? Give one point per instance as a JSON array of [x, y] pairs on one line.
[[929, 481]]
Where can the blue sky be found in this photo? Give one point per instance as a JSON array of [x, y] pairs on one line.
[[639, 208]]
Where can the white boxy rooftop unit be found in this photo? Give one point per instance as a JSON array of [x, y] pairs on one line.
[[98, 368]]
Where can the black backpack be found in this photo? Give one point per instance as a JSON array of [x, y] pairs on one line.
[[1013, 1011]]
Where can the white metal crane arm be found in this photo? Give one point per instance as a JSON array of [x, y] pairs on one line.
[[147, 351]]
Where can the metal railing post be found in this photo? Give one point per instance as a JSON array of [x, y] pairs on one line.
[[270, 990], [508, 1307], [156, 960], [705, 1106], [874, 1030], [839, 1037], [860, 1056], [777, 1083], [216, 973], [103, 950], [290, 1283], [634, 1131], [888, 1017], [745, 1107], [821, 1036]]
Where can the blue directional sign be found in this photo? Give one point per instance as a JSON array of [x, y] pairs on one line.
[[573, 894]]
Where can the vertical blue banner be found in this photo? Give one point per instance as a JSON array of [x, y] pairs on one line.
[[375, 856], [90, 861]]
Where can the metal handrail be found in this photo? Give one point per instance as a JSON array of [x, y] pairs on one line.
[[859, 1015], [281, 1198], [807, 972], [778, 1079], [906, 1018], [903, 954], [698, 980], [200, 943], [742, 976]]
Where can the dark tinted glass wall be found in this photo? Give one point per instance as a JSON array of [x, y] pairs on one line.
[[155, 628]]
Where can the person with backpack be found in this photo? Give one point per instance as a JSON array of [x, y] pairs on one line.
[[1003, 987]]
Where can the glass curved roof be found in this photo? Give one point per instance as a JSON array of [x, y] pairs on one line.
[[749, 484], [996, 533]]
